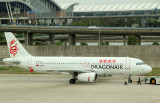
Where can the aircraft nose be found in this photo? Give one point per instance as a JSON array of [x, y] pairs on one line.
[[148, 69]]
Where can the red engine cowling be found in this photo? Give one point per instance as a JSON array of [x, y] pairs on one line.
[[87, 77]]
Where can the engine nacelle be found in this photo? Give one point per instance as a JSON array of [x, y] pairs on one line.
[[87, 77]]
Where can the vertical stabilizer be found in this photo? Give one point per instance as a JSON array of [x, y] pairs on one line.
[[14, 46]]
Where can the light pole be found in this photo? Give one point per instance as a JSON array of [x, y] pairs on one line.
[[99, 42], [17, 13]]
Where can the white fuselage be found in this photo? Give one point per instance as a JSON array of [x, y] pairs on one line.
[[99, 65], [83, 69]]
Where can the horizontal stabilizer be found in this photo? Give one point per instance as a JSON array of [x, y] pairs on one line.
[[10, 60]]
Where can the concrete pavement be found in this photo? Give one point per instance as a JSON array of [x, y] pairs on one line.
[[54, 88]]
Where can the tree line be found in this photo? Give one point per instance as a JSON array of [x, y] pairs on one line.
[[119, 22]]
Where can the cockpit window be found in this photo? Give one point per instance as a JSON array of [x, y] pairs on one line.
[[140, 63]]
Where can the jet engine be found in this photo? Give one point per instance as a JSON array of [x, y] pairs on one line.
[[87, 77]]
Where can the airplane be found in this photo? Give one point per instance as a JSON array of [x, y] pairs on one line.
[[84, 69]]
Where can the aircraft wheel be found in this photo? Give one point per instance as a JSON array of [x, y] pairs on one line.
[[129, 81], [72, 81], [152, 81]]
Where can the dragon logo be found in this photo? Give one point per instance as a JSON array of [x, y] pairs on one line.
[[13, 47]]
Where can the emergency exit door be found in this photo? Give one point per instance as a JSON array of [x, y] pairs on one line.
[[29, 63], [127, 64]]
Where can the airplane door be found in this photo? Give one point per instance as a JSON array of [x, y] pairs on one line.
[[86, 64], [127, 64], [29, 63]]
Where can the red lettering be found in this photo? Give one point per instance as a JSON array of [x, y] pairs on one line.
[[109, 61], [104, 61], [100, 61], [114, 61]]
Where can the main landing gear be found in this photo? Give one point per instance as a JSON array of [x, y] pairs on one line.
[[129, 79], [73, 80]]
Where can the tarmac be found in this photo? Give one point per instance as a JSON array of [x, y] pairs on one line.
[[55, 88]]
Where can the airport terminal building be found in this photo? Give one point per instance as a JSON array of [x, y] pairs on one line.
[[10, 9]]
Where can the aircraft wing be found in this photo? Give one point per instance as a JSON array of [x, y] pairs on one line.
[[80, 71], [72, 71]]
